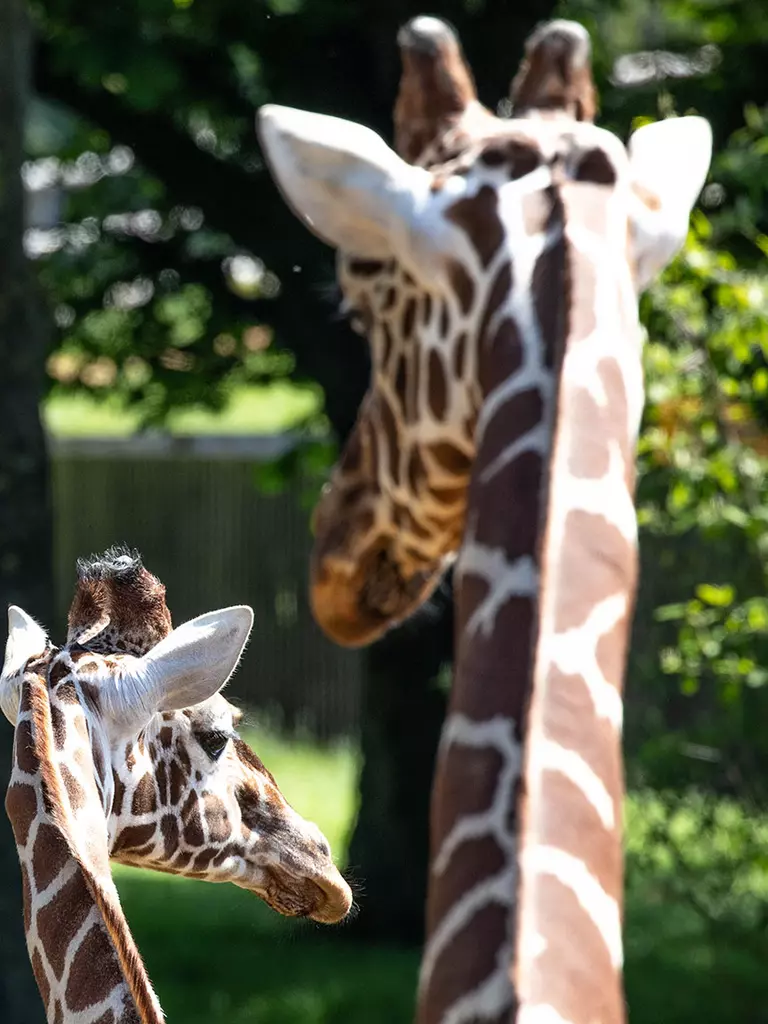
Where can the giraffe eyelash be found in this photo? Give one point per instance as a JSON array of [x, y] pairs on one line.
[[214, 743]]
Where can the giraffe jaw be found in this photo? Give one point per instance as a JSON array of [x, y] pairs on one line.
[[355, 610]]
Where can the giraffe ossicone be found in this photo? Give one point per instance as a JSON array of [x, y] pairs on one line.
[[494, 266], [125, 749]]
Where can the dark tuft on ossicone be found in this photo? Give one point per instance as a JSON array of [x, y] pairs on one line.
[[117, 563]]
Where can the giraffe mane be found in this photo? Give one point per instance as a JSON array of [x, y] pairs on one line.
[[56, 802]]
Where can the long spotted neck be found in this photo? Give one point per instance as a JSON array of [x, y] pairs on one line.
[[84, 959], [524, 909]]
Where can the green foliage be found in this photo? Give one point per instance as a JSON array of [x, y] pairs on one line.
[[702, 454]]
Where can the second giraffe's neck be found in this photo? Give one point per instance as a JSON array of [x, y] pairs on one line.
[[526, 866], [83, 956]]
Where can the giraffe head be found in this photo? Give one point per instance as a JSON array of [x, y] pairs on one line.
[[446, 252], [139, 723]]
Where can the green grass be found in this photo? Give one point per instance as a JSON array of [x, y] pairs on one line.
[[217, 954], [254, 409]]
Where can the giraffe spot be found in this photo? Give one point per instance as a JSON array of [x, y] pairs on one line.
[[514, 485], [569, 821], [460, 356], [59, 671], [437, 386], [109, 1018], [466, 785], [178, 780], [203, 859], [595, 553], [551, 290], [169, 828], [409, 319], [449, 458], [401, 377], [144, 796], [445, 319], [506, 684], [75, 791], [473, 861], [590, 990], [130, 758], [364, 268], [389, 435], [25, 754], [596, 167], [192, 822], [58, 1013], [462, 286], [449, 495], [414, 377], [537, 210], [229, 851], [132, 837], [494, 156], [417, 472], [49, 855], [183, 757], [523, 158], [86, 986], [588, 454], [117, 803], [478, 217], [464, 963], [41, 976], [21, 808], [426, 309], [498, 293], [182, 860], [26, 897], [502, 356], [66, 692], [216, 818], [58, 724], [161, 774], [166, 737], [60, 920], [390, 299]]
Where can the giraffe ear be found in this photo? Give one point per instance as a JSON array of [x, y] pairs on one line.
[[342, 180], [25, 640], [190, 665], [669, 161]]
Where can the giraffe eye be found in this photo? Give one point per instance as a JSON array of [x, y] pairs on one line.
[[213, 743]]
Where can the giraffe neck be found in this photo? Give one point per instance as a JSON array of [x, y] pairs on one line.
[[83, 956], [526, 846]]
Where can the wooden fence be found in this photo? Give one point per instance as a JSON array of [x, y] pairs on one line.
[[191, 507]]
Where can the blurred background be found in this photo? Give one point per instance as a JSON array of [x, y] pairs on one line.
[[178, 332]]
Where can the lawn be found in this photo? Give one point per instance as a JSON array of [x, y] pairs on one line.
[[217, 954], [255, 409]]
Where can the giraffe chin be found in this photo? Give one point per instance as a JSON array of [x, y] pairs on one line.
[[355, 611], [325, 901]]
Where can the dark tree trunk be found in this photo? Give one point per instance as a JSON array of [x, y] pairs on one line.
[[25, 521], [404, 698]]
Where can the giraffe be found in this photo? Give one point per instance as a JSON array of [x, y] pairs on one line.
[[124, 748], [494, 266]]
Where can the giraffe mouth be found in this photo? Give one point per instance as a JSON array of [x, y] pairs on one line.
[[356, 609], [326, 901]]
